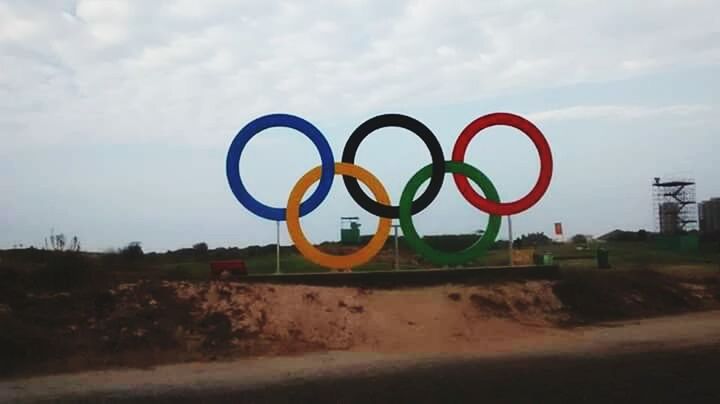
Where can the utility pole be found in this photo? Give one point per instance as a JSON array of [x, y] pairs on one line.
[[510, 240], [397, 252], [277, 249]]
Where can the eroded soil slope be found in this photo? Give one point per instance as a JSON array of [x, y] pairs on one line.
[[147, 323]]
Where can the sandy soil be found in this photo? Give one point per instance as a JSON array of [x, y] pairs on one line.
[[447, 318], [157, 322], [190, 382]]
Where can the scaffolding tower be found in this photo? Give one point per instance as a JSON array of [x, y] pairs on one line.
[[674, 206]]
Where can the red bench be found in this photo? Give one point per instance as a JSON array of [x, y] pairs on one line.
[[234, 267]]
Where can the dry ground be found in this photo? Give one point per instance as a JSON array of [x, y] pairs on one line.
[[153, 322], [668, 359]]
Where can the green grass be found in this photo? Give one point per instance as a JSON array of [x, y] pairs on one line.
[[637, 255], [623, 256], [185, 271], [294, 263]]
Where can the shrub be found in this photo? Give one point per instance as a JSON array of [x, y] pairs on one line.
[[132, 252], [201, 250]]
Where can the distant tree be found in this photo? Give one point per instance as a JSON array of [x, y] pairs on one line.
[[532, 240], [535, 239], [579, 239], [132, 251], [74, 244], [58, 242], [201, 249], [620, 235]]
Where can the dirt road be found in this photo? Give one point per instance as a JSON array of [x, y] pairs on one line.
[[669, 359]]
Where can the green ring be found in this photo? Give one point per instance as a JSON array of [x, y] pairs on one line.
[[413, 239]]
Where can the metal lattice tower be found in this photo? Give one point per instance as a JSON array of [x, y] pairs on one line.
[[674, 205]]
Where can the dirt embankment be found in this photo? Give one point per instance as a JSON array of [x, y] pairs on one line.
[[147, 323]]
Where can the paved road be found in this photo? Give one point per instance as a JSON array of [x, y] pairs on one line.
[[671, 359]]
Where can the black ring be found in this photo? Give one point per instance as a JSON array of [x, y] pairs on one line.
[[414, 126]]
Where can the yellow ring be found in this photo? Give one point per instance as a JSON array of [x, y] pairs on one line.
[[363, 255]]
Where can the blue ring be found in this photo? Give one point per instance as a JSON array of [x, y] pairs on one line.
[[232, 165]]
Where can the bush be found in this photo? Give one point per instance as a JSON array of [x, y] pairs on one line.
[[132, 252], [126, 258], [532, 240], [201, 249], [621, 235]]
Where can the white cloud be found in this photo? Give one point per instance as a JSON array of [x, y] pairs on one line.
[[144, 71], [14, 27], [621, 112], [107, 20]]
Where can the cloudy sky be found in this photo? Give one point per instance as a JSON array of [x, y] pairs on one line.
[[116, 116]]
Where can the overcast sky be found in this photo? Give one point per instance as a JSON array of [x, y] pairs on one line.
[[115, 116]]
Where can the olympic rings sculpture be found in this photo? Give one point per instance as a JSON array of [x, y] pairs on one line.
[[380, 205]]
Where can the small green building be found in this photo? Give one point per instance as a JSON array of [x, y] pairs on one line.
[[349, 230]]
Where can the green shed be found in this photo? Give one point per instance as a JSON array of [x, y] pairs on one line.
[[349, 230]]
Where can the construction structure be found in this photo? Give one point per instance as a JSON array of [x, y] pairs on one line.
[[709, 214], [675, 207], [349, 230]]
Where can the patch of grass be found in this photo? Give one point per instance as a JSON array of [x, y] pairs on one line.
[[634, 255], [623, 256], [291, 263], [186, 271]]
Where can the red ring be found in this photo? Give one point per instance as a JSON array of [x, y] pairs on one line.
[[541, 144]]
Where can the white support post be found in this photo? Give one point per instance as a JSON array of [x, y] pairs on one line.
[[397, 251], [510, 240], [277, 249]]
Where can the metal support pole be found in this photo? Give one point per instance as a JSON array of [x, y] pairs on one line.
[[277, 249], [397, 252], [510, 240]]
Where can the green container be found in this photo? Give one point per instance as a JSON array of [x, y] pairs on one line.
[[690, 242], [686, 242], [538, 259], [547, 259], [603, 258]]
